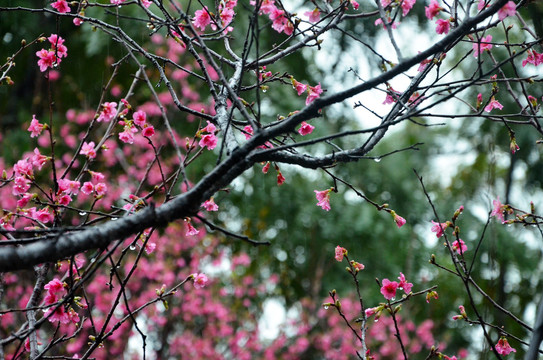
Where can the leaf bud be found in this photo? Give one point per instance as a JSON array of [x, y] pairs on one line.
[[397, 308]]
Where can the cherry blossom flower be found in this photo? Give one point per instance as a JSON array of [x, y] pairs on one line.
[[38, 160], [54, 286], [389, 289], [200, 281], [357, 266], [503, 347], [20, 185], [116, 2], [100, 189], [479, 47], [88, 150], [140, 117], [305, 129], [459, 246], [78, 21], [266, 167], [201, 18], [87, 188], [509, 9], [210, 205], [148, 131], [339, 253], [314, 16], [432, 10], [146, 3], [23, 167], [400, 221], [323, 198], [108, 112], [406, 286], [22, 202], [210, 128], [35, 127], [43, 216], [438, 228], [209, 141], [61, 6], [494, 104], [57, 46], [280, 178], [354, 4], [443, 26], [58, 315], [191, 230], [47, 59], [314, 93], [533, 58], [481, 4], [392, 95], [498, 209], [298, 86], [127, 136], [407, 5]]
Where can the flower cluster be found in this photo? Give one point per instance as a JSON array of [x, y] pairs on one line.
[[208, 140], [58, 313], [389, 288], [131, 127], [52, 58]]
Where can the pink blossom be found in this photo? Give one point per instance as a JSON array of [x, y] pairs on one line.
[[482, 4], [200, 281], [140, 117], [459, 246], [503, 347], [392, 95], [20, 185], [226, 15], [432, 10], [266, 167], [389, 289], [400, 221], [58, 315], [513, 146], [201, 18], [354, 4], [371, 311], [439, 228], [127, 136], [509, 9], [314, 16], [22, 202], [494, 104], [100, 189], [148, 131], [69, 186], [314, 93], [23, 167], [108, 112], [406, 286], [64, 200], [280, 178], [423, 64], [117, 2], [407, 5], [191, 230], [87, 188], [340, 252], [533, 58], [357, 266], [462, 315], [146, 3], [305, 129], [61, 6], [35, 127], [248, 132], [210, 128], [210, 205], [443, 26], [430, 295], [298, 86], [38, 160], [54, 286], [57, 46], [78, 21], [88, 150], [209, 141], [479, 47], [47, 59], [43, 216], [323, 198], [498, 210]]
